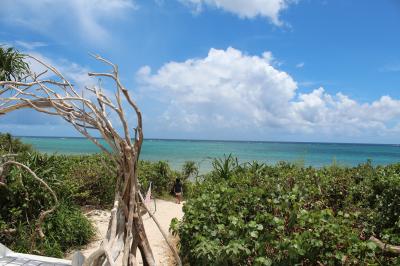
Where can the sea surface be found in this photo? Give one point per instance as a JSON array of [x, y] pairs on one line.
[[176, 152]]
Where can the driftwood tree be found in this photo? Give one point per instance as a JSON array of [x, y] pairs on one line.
[[89, 110]]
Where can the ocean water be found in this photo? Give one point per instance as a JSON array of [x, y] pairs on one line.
[[176, 152]]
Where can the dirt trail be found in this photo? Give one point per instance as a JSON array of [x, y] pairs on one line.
[[166, 211]]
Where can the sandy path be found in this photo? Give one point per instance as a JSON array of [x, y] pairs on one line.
[[166, 210]]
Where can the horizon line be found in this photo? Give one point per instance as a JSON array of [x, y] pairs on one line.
[[225, 140]]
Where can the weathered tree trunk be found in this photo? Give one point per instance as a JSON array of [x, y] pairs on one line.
[[126, 233]]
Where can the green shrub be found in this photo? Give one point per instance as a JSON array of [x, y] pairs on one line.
[[76, 180], [64, 229], [254, 214], [90, 179], [79, 179], [68, 228], [160, 174], [24, 198]]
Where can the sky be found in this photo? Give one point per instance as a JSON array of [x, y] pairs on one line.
[[273, 70]]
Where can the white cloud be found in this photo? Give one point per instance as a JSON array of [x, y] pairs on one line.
[[246, 8], [300, 65], [53, 16], [338, 115], [229, 90]]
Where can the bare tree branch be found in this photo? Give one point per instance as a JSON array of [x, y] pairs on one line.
[[385, 247], [89, 113]]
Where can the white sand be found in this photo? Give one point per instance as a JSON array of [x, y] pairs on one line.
[[166, 210]]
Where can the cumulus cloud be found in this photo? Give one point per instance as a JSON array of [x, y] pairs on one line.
[[49, 16], [230, 90], [227, 88], [245, 8], [320, 111]]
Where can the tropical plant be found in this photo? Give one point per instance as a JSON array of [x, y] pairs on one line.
[[224, 167], [189, 169], [12, 64]]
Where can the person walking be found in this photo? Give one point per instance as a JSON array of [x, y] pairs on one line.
[[178, 190]]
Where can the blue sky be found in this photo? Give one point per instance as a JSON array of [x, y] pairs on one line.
[[305, 70]]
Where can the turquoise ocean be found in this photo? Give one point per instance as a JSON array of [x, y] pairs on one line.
[[176, 152]]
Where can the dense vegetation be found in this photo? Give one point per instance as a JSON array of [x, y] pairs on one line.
[[249, 214], [80, 182], [255, 214], [24, 198]]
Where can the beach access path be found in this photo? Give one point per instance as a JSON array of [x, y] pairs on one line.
[[166, 211]]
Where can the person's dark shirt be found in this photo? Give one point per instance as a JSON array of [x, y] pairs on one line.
[[178, 187]]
